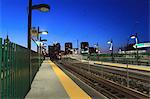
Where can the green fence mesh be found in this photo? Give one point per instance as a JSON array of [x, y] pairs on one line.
[[15, 70]]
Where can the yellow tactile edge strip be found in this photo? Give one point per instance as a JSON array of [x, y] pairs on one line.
[[72, 89], [145, 68]]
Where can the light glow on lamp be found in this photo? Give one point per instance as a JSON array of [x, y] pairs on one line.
[[41, 7], [133, 37], [44, 32], [109, 42]]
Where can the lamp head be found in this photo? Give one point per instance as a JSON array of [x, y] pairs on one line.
[[41, 7], [44, 32], [43, 40], [109, 42], [133, 37]]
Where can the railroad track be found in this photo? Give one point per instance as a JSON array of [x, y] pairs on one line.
[[104, 86], [121, 72], [135, 76], [136, 82]]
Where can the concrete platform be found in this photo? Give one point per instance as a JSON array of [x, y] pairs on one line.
[[135, 67], [51, 83]]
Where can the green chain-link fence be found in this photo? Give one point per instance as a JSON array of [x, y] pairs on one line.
[[15, 69]]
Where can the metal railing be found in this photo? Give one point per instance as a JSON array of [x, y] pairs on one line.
[[143, 59], [15, 69]]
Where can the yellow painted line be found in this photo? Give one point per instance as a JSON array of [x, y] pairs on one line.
[[72, 89], [138, 67]]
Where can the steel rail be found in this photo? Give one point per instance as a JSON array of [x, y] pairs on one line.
[[96, 78]]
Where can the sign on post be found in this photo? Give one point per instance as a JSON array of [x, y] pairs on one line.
[[34, 32]]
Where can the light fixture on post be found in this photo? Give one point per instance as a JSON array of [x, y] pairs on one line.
[[43, 8], [134, 37], [38, 34], [111, 49], [40, 7], [44, 32], [42, 40], [136, 42]]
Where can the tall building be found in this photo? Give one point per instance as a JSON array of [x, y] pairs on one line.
[[57, 47], [51, 51], [54, 50], [84, 47], [92, 50], [68, 48]]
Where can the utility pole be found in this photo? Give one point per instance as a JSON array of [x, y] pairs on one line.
[[137, 54], [127, 68], [39, 53], [29, 24], [97, 51], [38, 38], [77, 47]]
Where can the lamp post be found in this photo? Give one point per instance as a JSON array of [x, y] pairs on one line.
[[111, 49], [38, 36], [97, 50], [136, 42], [40, 7], [42, 40], [127, 68], [43, 8], [77, 47], [89, 56], [132, 37]]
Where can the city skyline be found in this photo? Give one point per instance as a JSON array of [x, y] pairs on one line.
[[68, 21]]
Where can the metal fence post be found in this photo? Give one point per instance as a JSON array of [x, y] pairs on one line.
[[0, 67], [8, 68], [2, 73], [13, 70], [15, 73], [5, 70]]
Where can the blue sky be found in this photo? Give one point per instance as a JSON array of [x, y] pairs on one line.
[[84, 20]]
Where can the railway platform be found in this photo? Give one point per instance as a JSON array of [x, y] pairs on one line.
[[119, 65], [52, 83], [135, 67]]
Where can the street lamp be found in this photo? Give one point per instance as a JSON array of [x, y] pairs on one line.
[[43, 40], [44, 32], [97, 50], [42, 46], [136, 41], [40, 32], [40, 7], [134, 37], [111, 48], [43, 8], [127, 67]]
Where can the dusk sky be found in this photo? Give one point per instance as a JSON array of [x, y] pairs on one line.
[[84, 20]]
